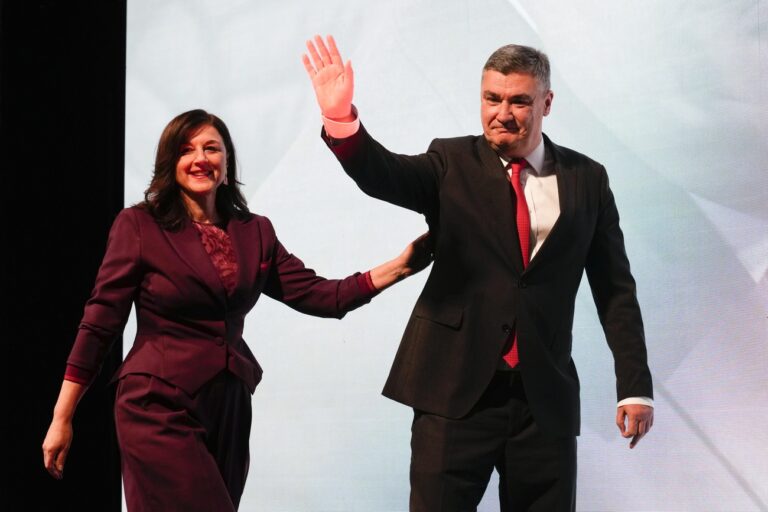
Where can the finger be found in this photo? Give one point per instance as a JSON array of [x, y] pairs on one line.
[[61, 460], [334, 51], [349, 75], [620, 415], [316, 60], [323, 50], [638, 434], [47, 458], [631, 427], [308, 66], [635, 439], [423, 238], [50, 466]]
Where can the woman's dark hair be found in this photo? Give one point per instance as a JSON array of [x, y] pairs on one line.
[[162, 198]]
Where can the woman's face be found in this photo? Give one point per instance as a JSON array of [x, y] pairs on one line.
[[202, 164]]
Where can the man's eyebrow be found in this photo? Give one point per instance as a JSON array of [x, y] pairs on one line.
[[517, 98], [521, 98]]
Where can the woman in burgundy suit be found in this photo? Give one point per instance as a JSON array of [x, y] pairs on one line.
[[194, 261]]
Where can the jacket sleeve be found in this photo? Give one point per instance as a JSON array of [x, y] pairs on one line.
[[614, 292], [292, 283], [110, 303], [408, 181]]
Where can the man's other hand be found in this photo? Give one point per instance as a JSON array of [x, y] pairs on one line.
[[634, 421]]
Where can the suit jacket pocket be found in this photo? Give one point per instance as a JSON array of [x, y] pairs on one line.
[[448, 315]]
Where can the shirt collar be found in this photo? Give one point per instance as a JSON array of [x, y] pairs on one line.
[[535, 158]]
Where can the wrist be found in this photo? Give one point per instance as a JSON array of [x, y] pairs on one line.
[[62, 417], [343, 115], [387, 274], [403, 269], [399, 270]]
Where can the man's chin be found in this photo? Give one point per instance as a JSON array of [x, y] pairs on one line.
[[507, 147]]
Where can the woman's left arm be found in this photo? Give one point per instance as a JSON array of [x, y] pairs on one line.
[[299, 287]]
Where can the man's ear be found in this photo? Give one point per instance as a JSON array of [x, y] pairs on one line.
[[548, 102]]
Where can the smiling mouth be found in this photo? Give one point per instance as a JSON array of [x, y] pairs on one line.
[[200, 174]]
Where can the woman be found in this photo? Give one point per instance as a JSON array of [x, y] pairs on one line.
[[194, 261]]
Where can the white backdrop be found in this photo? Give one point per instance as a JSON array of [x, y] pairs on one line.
[[671, 96]]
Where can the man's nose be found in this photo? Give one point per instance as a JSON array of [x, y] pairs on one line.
[[504, 113], [505, 116]]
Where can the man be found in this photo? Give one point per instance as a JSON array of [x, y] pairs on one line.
[[485, 360]]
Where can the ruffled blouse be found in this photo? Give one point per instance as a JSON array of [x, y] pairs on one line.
[[218, 245]]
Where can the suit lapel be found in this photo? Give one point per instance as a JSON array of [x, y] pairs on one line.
[[501, 202], [566, 191], [188, 246], [247, 245]]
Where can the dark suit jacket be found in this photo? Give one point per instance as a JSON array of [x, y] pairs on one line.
[[477, 291], [188, 328]]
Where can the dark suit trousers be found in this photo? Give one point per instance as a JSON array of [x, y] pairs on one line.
[[181, 452], [452, 459]]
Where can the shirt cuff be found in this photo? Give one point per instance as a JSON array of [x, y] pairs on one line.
[[78, 375], [339, 130], [636, 400]]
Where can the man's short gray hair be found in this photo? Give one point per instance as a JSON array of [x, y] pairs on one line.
[[515, 58]]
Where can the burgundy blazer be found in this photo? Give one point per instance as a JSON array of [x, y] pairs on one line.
[[188, 328]]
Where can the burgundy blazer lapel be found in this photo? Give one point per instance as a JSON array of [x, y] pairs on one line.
[[247, 243], [189, 248]]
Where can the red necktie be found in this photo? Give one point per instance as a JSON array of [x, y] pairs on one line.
[[524, 234]]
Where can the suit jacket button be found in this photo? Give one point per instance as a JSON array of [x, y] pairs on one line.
[[521, 284], [506, 329], [219, 340]]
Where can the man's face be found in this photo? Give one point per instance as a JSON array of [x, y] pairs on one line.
[[512, 108]]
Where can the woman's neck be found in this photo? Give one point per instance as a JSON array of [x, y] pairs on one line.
[[202, 210]]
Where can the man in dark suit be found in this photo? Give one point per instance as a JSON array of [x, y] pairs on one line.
[[485, 360]]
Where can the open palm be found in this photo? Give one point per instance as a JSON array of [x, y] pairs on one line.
[[332, 79]]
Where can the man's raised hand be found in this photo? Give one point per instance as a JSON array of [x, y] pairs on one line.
[[332, 79]]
